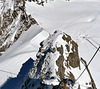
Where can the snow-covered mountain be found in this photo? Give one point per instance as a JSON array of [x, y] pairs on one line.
[[13, 22], [25, 23], [58, 66]]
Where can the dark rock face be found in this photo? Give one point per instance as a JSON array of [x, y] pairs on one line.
[[59, 63], [73, 57]]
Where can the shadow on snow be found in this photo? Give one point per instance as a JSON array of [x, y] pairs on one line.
[[15, 83]]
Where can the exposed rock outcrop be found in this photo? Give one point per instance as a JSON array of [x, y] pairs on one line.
[[13, 22]]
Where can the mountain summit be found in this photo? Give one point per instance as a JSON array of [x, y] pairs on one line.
[[58, 66]]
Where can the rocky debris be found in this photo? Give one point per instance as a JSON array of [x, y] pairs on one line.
[[13, 22], [39, 2], [56, 64]]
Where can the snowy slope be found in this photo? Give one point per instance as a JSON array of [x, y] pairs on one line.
[[16, 82]]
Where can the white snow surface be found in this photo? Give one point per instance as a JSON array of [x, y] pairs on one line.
[[78, 18]]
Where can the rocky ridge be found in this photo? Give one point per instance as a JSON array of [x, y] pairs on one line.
[[58, 65], [13, 22]]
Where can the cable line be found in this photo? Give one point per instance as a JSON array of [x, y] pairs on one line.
[[92, 43], [88, 63]]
